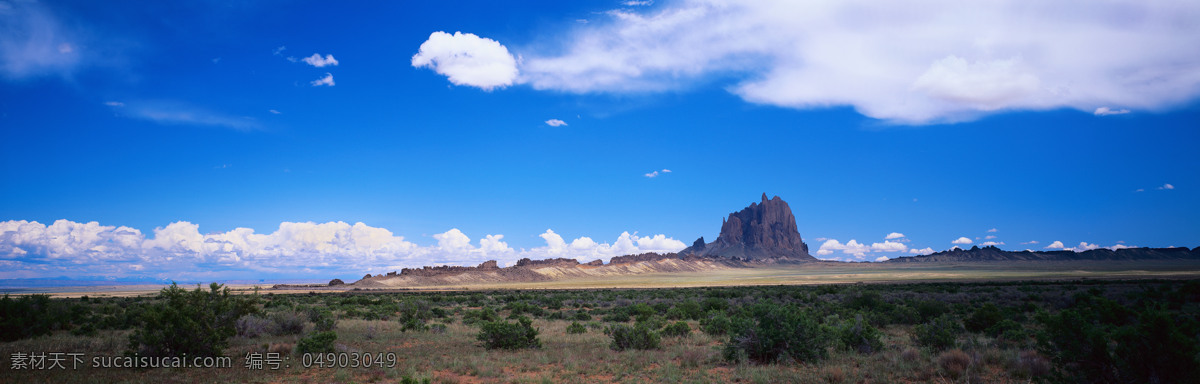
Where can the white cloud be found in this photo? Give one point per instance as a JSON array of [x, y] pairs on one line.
[[989, 237], [1121, 246], [993, 230], [173, 112], [33, 42], [1167, 186], [961, 240], [1083, 246], [992, 243], [1055, 245], [852, 247], [881, 258], [114, 104], [467, 59], [179, 249], [925, 251], [317, 61], [888, 246], [935, 61], [274, 112], [1030, 242], [637, 3], [657, 173], [1105, 111], [556, 123], [1140, 190], [327, 80], [894, 235], [279, 50]]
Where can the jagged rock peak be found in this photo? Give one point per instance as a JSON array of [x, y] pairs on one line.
[[764, 230]]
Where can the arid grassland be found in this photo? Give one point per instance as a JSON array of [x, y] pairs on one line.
[[995, 331]]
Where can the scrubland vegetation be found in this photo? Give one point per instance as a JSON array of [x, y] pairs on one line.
[[1077, 331]]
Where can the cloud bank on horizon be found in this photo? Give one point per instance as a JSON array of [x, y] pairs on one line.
[[929, 62], [29, 249]]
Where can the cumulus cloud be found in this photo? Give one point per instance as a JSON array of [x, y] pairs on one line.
[[1166, 187], [556, 123], [949, 61], [961, 240], [467, 59], [852, 247], [327, 80], [881, 258], [1055, 245], [894, 235], [992, 243], [317, 61], [180, 249], [888, 246], [1106, 111], [924, 251]]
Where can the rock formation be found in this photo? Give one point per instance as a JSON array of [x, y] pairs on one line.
[[761, 232]]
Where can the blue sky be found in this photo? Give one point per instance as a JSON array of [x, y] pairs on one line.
[[315, 140]]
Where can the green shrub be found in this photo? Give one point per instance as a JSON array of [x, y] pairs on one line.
[[251, 326], [576, 328], [317, 342], [324, 320], [983, 318], [776, 333], [652, 322], [939, 333], [30, 316], [196, 323], [483, 315], [716, 324], [288, 323], [505, 335], [679, 328], [1100, 341], [860, 336], [635, 337]]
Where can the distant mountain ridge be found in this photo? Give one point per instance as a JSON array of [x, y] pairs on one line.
[[991, 253]]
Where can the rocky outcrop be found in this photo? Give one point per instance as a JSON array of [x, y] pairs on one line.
[[764, 231], [526, 262], [445, 270], [336, 282], [991, 253]]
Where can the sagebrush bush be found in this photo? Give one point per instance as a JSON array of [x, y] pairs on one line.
[[939, 333], [716, 323], [983, 319], [679, 328], [252, 326], [858, 335], [576, 328], [954, 362], [317, 342], [483, 315], [288, 322], [505, 335], [196, 323], [635, 337], [323, 320], [776, 333]]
